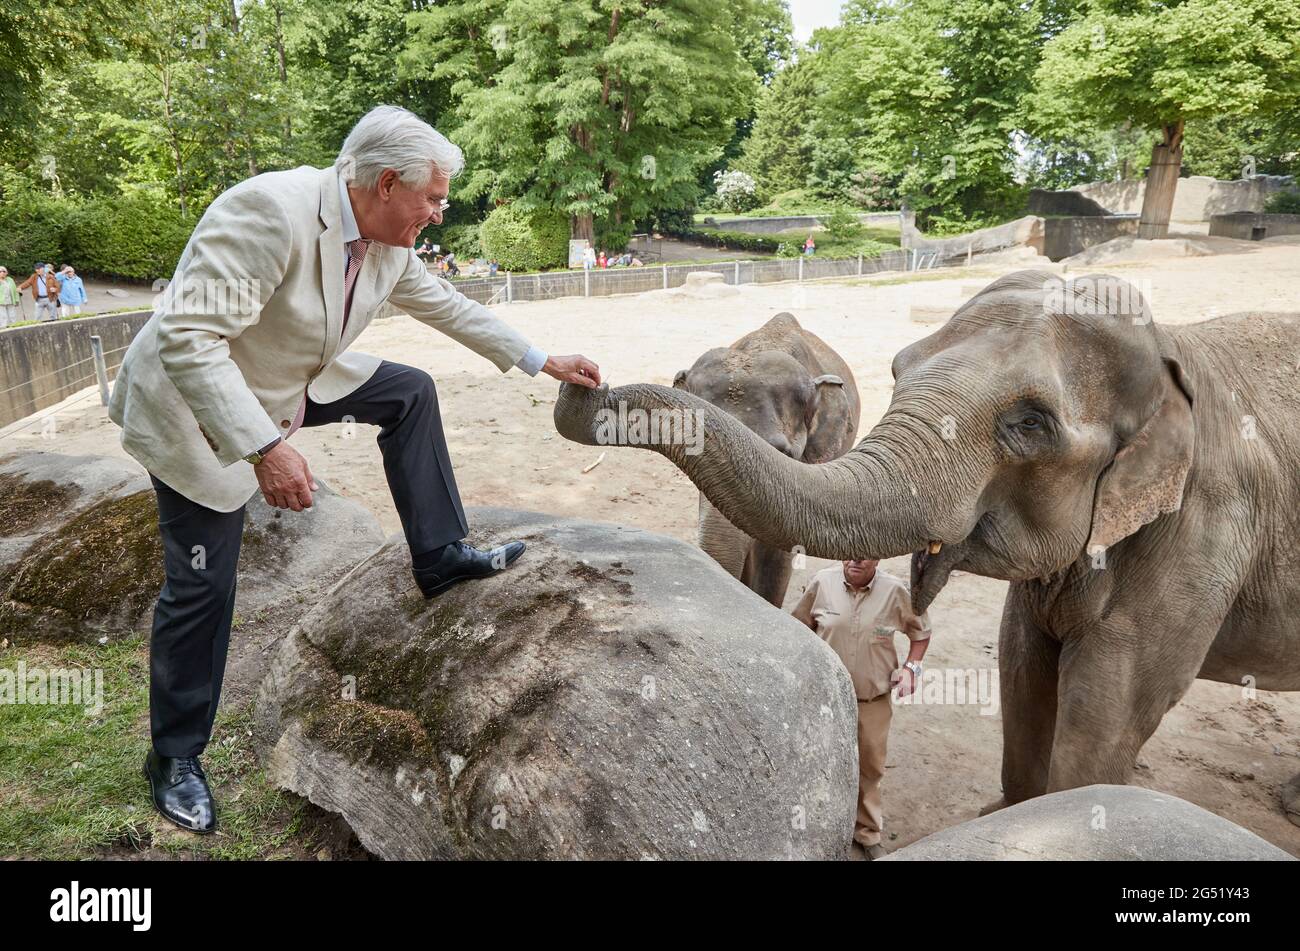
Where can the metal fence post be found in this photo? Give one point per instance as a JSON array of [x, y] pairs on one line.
[[801, 268], [510, 288], [737, 272], [586, 282], [665, 267], [859, 263], [101, 371]]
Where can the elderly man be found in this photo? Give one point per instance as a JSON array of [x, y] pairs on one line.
[[45, 291], [248, 344], [857, 610]]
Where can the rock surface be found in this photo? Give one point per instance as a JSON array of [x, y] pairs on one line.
[[1107, 823], [81, 557], [614, 694]]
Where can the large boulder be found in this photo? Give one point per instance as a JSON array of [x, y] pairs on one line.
[[81, 557], [1106, 823], [614, 694]]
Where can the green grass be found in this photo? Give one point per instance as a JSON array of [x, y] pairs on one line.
[[70, 781], [102, 313]]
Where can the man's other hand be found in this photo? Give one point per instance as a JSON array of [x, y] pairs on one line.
[[573, 369], [286, 481]]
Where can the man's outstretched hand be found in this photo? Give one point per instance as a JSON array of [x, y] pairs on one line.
[[286, 481], [573, 369]]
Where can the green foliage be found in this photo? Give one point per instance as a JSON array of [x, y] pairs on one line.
[[1286, 202], [1160, 63], [523, 239], [925, 95], [464, 240], [777, 154], [733, 240], [612, 236], [831, 248], [598, 109], [32, 226], [137, 236], [843, 225]]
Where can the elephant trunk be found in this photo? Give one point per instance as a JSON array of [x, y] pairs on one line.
[[858, 506]]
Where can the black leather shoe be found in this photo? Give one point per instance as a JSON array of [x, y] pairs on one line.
[[460, 562], [180, 791]]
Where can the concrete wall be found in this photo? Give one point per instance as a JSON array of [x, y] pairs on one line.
[[1252, 227], [1063, 237], [1045, 202], [1023, 232], [774, 225], [44, 363], [1197, 199]]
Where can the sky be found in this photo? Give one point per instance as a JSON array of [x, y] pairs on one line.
[[810, 15]]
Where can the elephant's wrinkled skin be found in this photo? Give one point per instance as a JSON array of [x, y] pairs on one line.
[[1139, 485], [798, 395]]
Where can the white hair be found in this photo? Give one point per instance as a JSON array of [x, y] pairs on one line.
[[393, 137]]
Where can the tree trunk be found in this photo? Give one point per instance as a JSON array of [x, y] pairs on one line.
[[583, 227], [1162, 183]]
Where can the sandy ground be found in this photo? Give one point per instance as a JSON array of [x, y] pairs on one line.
[[1215, 748]]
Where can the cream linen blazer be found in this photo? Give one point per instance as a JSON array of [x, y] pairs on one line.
[[253, 318]]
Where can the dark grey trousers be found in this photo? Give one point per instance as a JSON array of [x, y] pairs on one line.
[[191, 622]]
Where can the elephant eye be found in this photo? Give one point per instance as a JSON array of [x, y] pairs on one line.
[[1032, 421]]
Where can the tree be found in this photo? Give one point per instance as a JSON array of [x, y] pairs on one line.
[[594, 107], [928, 94], [778, 152], [1166, 64]]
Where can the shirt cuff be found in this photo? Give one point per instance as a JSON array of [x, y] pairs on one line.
[[532, 361]]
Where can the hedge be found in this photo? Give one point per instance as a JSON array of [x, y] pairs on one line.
[[525, 240], [131, 236], [737, 240]]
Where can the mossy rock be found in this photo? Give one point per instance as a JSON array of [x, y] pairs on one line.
[[81, 557], [97, 573], [614, 694]]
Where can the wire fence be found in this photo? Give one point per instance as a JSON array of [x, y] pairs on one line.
[[603, 282], [533, 287]]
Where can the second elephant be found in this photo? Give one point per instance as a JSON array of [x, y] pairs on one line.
[[788, 386]]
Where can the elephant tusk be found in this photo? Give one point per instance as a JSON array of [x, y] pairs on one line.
[[934, 547]]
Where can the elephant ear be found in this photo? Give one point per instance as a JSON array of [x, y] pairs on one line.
[[828, 419], [1146, 478]]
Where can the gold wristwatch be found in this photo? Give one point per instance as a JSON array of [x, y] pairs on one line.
[[255, 458]]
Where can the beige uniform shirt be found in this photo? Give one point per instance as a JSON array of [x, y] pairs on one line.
[[859, 624]]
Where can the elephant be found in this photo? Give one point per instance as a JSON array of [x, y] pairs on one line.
[[1137, 484], [798, 395]]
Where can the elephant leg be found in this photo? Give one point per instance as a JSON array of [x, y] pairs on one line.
[[1117, 682], [1027, 674], [1291, 799], [722, 541], [767, 572]]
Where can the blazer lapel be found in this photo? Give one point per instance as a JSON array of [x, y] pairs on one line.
[[331, 261]]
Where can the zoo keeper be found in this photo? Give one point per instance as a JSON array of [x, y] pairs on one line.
[[857, 610], [249, 343]]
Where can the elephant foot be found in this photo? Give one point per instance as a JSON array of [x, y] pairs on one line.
[[1291, 799], [994, 806]]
